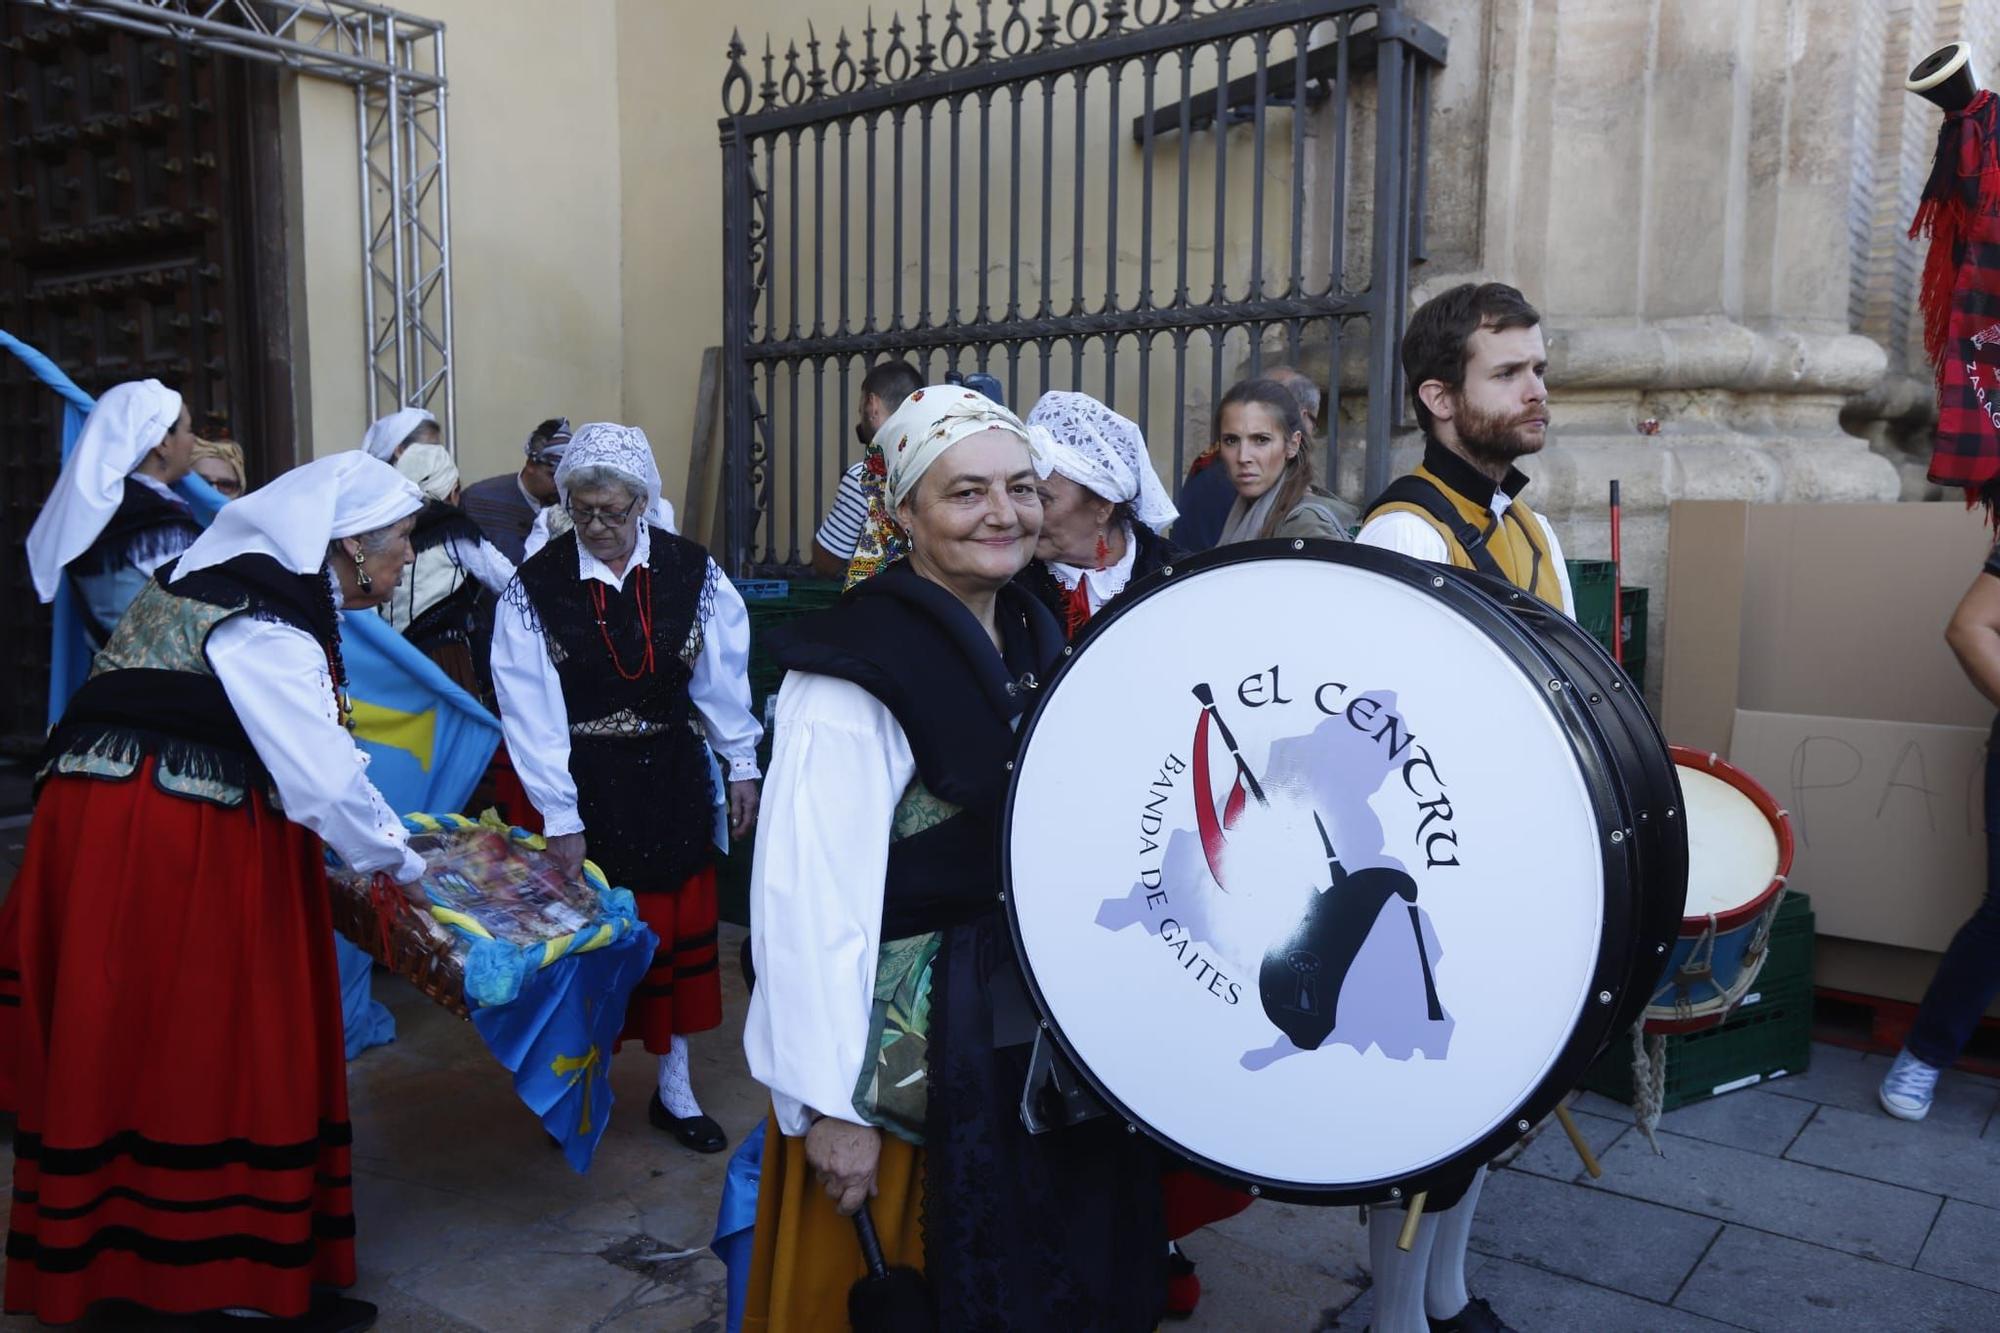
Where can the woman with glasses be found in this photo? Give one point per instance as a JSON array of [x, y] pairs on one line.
[[220, 464], [617, 650]]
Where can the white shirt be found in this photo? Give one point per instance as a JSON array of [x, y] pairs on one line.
[[278, 683], [535, 719], [1104, 584], [839, 767], [1410, 534]]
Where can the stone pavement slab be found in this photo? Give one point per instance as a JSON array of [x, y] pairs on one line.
[[1849, 1079], [1551, 1154], [1949, 1161], [1537, 1302], [1965, 1247], [1777, 1285], [1544, 1223], [1863, 1217], [1753, 1119]]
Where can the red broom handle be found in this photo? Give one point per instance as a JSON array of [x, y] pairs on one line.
[[1617, 585]]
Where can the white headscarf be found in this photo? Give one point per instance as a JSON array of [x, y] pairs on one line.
[[127, 423], [430, 466], [383, 437], [624, 450], [932, 420], [1102, 452], [296, 516]]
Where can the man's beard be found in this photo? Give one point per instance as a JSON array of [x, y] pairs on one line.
[[1495, 437], [864, 433]]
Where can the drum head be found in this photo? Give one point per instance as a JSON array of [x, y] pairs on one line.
[[1317, 870]]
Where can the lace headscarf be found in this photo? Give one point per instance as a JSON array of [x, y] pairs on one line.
[[623, 450], [1102, 452]]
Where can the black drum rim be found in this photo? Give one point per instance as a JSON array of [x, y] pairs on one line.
[[1612, 971]]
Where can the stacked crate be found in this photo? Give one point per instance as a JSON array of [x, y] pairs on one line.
[[1591, 583], [1769, 1034]]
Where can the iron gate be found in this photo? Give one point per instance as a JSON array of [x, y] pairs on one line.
[[874, 205]]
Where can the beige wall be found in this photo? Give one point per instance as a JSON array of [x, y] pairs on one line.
[[536, 227]]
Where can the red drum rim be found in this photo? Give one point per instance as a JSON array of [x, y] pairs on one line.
[[1707, 761]]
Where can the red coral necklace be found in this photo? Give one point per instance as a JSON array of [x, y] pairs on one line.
[[643, 587]]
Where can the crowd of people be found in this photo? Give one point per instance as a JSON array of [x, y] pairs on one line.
[[172, 1045]]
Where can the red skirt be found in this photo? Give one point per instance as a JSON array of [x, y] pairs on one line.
[[682, 991], [183, 1133], [10, 1004]]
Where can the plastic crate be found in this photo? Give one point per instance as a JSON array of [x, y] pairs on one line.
[[801, 598], [763, 590], [1590, 582], [1769, 1035]]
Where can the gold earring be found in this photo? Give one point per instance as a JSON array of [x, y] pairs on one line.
[[361, 579]]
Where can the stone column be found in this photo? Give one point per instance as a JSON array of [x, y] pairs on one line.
[[1670, 182]]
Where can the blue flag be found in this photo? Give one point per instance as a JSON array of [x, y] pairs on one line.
[[556, 1038], [428, 741]]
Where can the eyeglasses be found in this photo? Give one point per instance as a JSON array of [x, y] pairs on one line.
[[603, 518], [545, 461]]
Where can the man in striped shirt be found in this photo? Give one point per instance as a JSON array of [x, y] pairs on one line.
[[883, 390]]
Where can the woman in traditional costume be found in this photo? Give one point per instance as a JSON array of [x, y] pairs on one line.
[[618, 648], [437, 606], [1260, 436], [113, 518], [1104, 511], [220, 464], [387, 437], [183, 1133], [884, 968]]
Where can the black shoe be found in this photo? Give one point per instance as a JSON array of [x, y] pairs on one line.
[[1476, 1317], [329, 1314], [696, 1132]]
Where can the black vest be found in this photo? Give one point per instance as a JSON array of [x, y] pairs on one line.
[[915, 647], [146, 526]]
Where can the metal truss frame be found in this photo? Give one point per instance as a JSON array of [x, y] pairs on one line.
[[396, 65]]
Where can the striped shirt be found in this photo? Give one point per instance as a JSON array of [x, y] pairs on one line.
[[840, 531]]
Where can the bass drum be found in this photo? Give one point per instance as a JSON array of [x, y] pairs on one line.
[[1323, 869], [1645, 767]]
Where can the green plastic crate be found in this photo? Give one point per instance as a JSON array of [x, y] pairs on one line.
[[1770, 1034], [1590, 582]]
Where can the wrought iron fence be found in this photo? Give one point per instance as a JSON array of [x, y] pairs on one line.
[[1090, 196]]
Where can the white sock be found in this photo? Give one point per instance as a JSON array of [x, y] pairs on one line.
[[676, 1091], [1399, 1273], [1444, 1284]]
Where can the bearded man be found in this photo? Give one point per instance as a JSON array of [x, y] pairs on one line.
[[1475, 362]]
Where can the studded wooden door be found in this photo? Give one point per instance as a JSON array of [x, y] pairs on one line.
[[142, 238]]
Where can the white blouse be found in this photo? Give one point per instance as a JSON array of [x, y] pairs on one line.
[[278, 683], [839, 767], [535, 719], [1105, 583]]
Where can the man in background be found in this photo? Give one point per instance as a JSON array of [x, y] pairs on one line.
[[883, 390], [505, 506]]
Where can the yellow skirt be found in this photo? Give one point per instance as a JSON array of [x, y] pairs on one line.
[[805, 1255]]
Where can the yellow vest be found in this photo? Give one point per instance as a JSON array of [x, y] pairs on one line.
[[1515, 540]]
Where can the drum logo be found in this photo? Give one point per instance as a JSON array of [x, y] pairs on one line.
[[1279, 886]]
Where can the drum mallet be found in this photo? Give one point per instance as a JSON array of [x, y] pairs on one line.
[[1577, 1141], [1618, 656], [1413, 1213]]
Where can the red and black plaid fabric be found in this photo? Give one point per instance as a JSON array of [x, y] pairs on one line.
[[1961, 298]]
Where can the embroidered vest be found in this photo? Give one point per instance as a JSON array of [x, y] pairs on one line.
[[1515, 540]]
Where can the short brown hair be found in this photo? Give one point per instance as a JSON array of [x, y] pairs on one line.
[[1434, 346]]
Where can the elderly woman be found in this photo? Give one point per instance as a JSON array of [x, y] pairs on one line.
[[389, 436], [617, 649], [1103, 508], [220, 464], [437, 609], [112, 518], [183, 1134], [883, 964], [1260, 436]]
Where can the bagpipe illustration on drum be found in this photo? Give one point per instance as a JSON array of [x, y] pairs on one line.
[[1304, 969], [1334, 902]]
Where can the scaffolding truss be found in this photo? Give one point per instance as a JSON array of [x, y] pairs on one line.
[[395, 63]]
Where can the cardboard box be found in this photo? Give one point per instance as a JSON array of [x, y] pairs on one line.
[[1888, 820], [1877, 969], [1806, 642], [1827, 610]]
